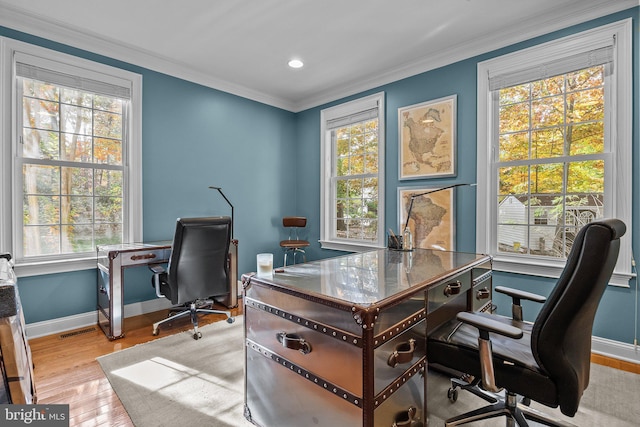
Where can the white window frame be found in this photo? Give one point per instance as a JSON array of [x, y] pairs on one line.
[[618, 136], [10, 227], [327, 189]]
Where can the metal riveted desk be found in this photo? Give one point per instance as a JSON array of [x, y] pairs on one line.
[[114, 259], [342, 341]]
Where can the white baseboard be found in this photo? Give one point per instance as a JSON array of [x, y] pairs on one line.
[[77, 321], [615, 349], [56, 326]]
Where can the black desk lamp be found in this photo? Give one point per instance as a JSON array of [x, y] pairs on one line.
[[405, 231], [225, 197]]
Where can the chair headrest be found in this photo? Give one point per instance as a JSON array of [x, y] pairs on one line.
[[617, 227]]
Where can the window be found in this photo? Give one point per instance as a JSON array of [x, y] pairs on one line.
[[352, 186], [72, 147], [557, 121]]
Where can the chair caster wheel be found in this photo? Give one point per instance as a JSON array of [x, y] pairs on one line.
[[452, 394], [155, 333], [526, 401], [197, 335], [230, 319]]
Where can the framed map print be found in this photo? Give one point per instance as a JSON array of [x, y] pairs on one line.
[[432, 217], [427, 139]]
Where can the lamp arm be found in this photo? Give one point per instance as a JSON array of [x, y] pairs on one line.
[[227, 200], [414, 196], [408, 213]]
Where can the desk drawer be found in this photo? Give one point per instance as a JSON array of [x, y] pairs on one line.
[[145, 257], [448, 290], [480, 295], [395, 356], [278, 394], [329, 357]]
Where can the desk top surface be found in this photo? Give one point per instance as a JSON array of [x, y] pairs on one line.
[[125, 247], [373, 277]]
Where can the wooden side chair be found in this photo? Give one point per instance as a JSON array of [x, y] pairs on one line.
[[293, 243]]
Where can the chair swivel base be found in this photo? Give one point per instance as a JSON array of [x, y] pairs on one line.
[[192, 310], [517, 414]]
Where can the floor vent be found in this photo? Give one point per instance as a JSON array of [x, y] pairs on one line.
[[74, 333]]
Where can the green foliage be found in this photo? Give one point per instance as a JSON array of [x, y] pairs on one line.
[[71, 209], [545, 129], [356, 209]]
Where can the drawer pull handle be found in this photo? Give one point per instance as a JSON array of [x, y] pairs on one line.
[[483, 294], [404, 418], [147, 256], [294, 342], [403, 353], [452, 288]]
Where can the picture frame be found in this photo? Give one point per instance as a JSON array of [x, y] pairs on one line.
[[427, 139], [432, 221]]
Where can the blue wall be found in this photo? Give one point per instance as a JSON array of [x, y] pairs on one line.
[[268, 163], [615, 318], [192, 137]]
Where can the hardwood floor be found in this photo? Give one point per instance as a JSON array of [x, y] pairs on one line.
[[66, 371]]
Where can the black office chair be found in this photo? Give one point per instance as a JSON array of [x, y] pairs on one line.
[[547, 361], [198, 270]]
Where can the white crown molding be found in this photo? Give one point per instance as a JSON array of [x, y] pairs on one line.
[[44, 27], [56, 31], [552, 22]]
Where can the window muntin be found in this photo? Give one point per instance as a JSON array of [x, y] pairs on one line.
[[70, 154], [356, 181], [352, 168], [610, 45], [551, 162], [99, 155]]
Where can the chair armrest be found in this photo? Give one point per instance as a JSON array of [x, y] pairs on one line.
[[517, 295], [485, 324], [157, 270]]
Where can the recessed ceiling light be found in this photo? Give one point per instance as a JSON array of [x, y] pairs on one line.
[[295, 63]]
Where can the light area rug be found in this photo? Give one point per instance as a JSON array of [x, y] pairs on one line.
[[177, 380]]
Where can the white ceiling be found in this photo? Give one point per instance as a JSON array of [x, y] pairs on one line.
[[243, 46]]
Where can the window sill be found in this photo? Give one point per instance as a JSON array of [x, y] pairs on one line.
[[348, 246], [547, 269], [39, 268]]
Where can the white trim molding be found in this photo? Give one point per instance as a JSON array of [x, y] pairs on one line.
[[9, 233], [615, 349], [620, 137], [82, 320]]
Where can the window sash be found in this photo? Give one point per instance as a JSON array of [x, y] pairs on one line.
[[11, 184], [343, 115], [618, 124], [95, 224]]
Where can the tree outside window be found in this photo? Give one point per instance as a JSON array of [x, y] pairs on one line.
[[551, 162], [72, 169]]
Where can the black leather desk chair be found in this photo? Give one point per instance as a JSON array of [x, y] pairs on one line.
[[198, 269], [547, 361]]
